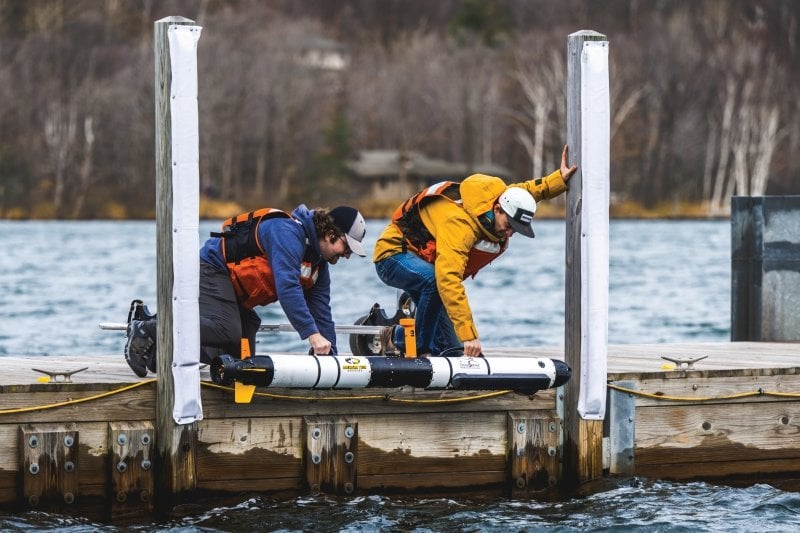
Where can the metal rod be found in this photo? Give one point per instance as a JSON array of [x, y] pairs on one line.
[[344, 330]]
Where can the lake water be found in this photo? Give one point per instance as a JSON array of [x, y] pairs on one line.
[[670, 282]]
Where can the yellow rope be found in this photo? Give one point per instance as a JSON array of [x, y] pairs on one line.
[[704, 398], [290, 397], [364, 397], [72, 402], [782, 394], [265, 394], [454, 400], [402, 400]]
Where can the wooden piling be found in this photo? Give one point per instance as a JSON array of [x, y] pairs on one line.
[[582, 438], [176, 443]]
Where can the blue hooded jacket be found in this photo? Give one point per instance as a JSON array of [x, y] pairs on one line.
[[287, 242]]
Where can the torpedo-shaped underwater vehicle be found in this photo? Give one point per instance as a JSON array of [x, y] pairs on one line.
[[522, 374]]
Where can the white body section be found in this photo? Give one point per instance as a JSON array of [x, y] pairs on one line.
[[320, 371], [442, 372], [444, 368], [355, 372], [595, 164], [329, 372], [297, 371], [351, 372], [524, 366], [468, 365]]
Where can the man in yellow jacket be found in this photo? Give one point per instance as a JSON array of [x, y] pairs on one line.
[[446, 233]]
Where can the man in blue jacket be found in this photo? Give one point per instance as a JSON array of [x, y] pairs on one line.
[[259, 258]]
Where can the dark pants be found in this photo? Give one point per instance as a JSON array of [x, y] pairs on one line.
[[417, 277], [223, 322]]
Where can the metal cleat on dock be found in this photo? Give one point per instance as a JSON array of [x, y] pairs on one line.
[[688, 361], [60, 376]]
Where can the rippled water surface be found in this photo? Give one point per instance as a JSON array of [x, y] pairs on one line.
[[670, 282], [629, 505]]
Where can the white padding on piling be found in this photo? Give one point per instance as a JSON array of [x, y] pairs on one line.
[[595, 146], [185, 221]]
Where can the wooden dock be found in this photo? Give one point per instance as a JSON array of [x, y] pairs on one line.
[[735, 415]]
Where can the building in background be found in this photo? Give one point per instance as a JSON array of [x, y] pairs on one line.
[[392, 175]]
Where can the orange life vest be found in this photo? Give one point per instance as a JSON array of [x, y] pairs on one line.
[[249, 267], [419, 240]]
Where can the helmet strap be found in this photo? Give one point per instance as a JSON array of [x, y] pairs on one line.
[[487, 221]]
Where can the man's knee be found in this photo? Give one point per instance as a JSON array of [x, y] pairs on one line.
[[220, 334]]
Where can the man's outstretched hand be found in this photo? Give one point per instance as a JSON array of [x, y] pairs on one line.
[[566, 171]]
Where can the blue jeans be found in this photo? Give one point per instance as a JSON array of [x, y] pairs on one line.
[[408, 272]]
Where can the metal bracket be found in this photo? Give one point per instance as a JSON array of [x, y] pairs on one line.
[[60, 376], [331, 453], [48, 460], [621, 429], [131, 447], [533, 451], [688, 361]]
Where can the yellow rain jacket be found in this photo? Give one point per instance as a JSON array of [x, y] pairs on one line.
[[456, 230]]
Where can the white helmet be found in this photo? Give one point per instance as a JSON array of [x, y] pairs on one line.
[[520, 207]]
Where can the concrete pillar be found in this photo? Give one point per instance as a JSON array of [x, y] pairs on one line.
[[765, 268]]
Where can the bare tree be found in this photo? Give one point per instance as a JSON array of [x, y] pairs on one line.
[[543, 83], [261, 108], [60, 128], [76, 102], [749, 130]]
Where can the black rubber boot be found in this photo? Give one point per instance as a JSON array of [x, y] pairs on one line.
[[140, 348]]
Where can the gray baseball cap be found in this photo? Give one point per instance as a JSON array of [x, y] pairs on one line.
[[352, 224]]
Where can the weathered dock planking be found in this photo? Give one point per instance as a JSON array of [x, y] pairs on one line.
[[736, 414]]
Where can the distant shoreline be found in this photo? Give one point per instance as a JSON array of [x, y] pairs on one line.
[[548, 210]]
